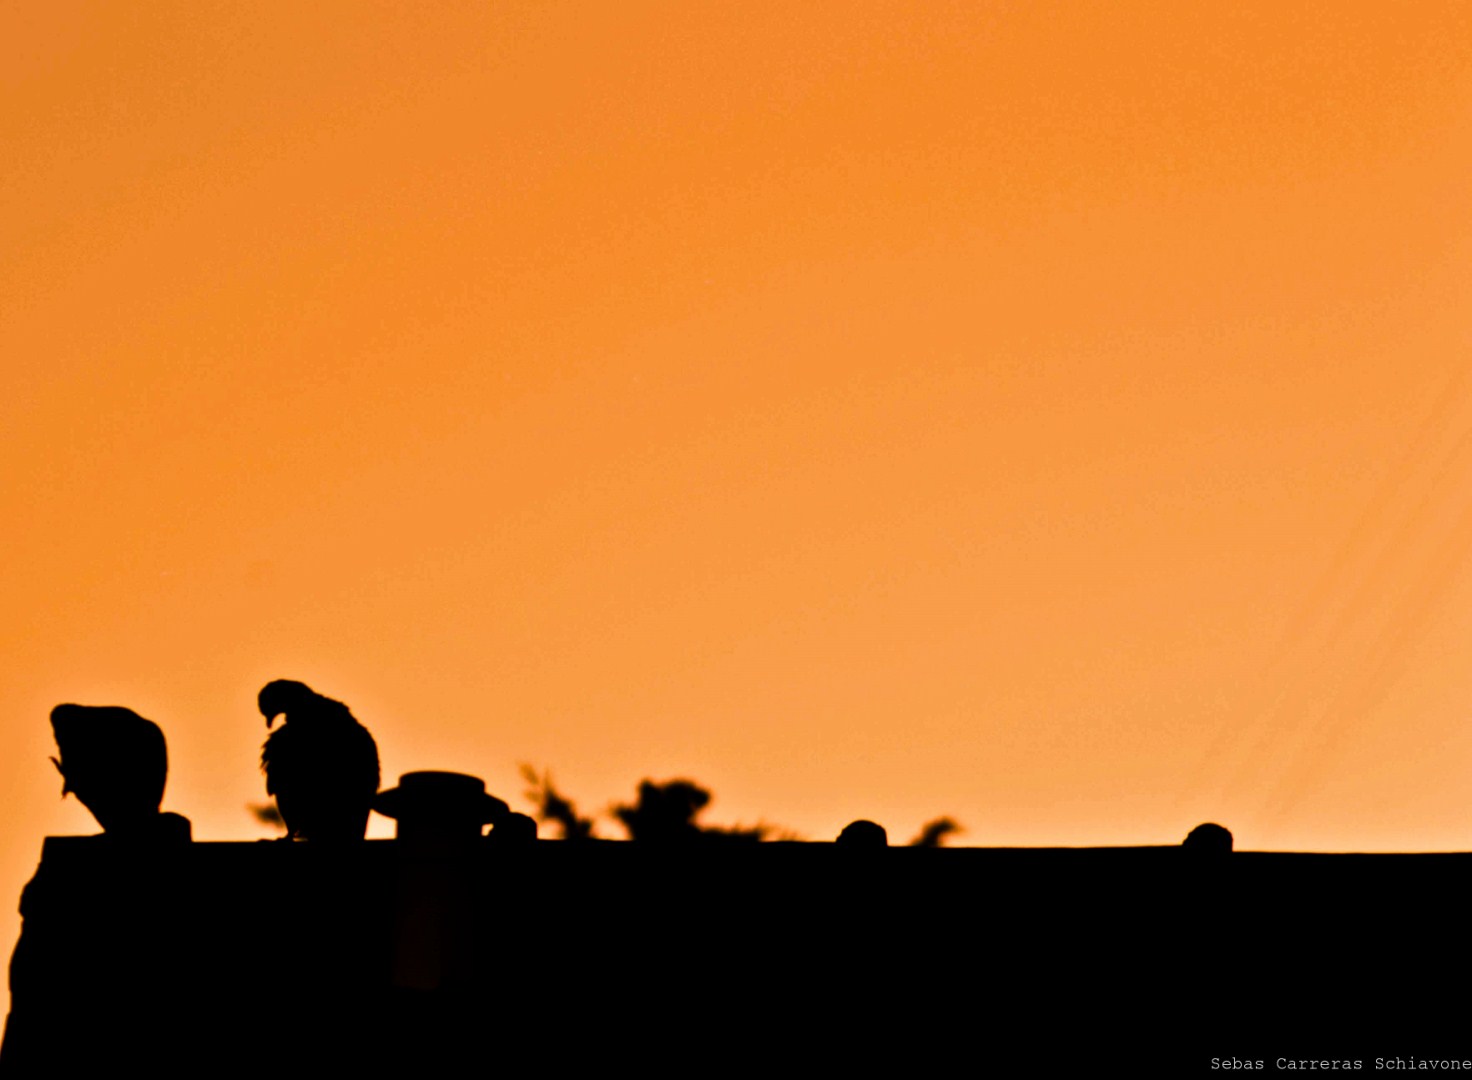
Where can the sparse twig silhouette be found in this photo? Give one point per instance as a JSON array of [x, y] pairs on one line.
[[551, 806], [669, 811], [934, 833]]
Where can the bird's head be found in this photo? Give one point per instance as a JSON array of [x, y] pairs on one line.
[[281, 696]]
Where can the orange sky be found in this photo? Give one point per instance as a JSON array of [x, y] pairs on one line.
[[1053, 415]]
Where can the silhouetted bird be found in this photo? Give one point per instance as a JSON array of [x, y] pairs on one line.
[[115, 762], [321, 765]]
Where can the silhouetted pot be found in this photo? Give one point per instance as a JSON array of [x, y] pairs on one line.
[[440, 807]]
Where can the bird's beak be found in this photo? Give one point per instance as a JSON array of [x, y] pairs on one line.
[[271, 719], [66, 787]]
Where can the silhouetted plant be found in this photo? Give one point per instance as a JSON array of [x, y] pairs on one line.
[[934, 833], [553, 807], [666, 813]]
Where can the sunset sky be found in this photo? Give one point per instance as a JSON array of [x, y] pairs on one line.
[[1054, 415]]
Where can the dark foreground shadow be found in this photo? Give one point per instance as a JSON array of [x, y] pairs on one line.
[[394, 957]]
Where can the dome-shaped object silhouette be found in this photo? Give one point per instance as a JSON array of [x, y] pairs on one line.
[[1208, 839], [863, 834], [441, 806]]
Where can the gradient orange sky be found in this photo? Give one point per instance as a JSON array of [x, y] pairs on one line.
[[1053, 415]]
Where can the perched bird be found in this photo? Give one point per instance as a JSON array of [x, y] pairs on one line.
[[321, 764], [116, 762]]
